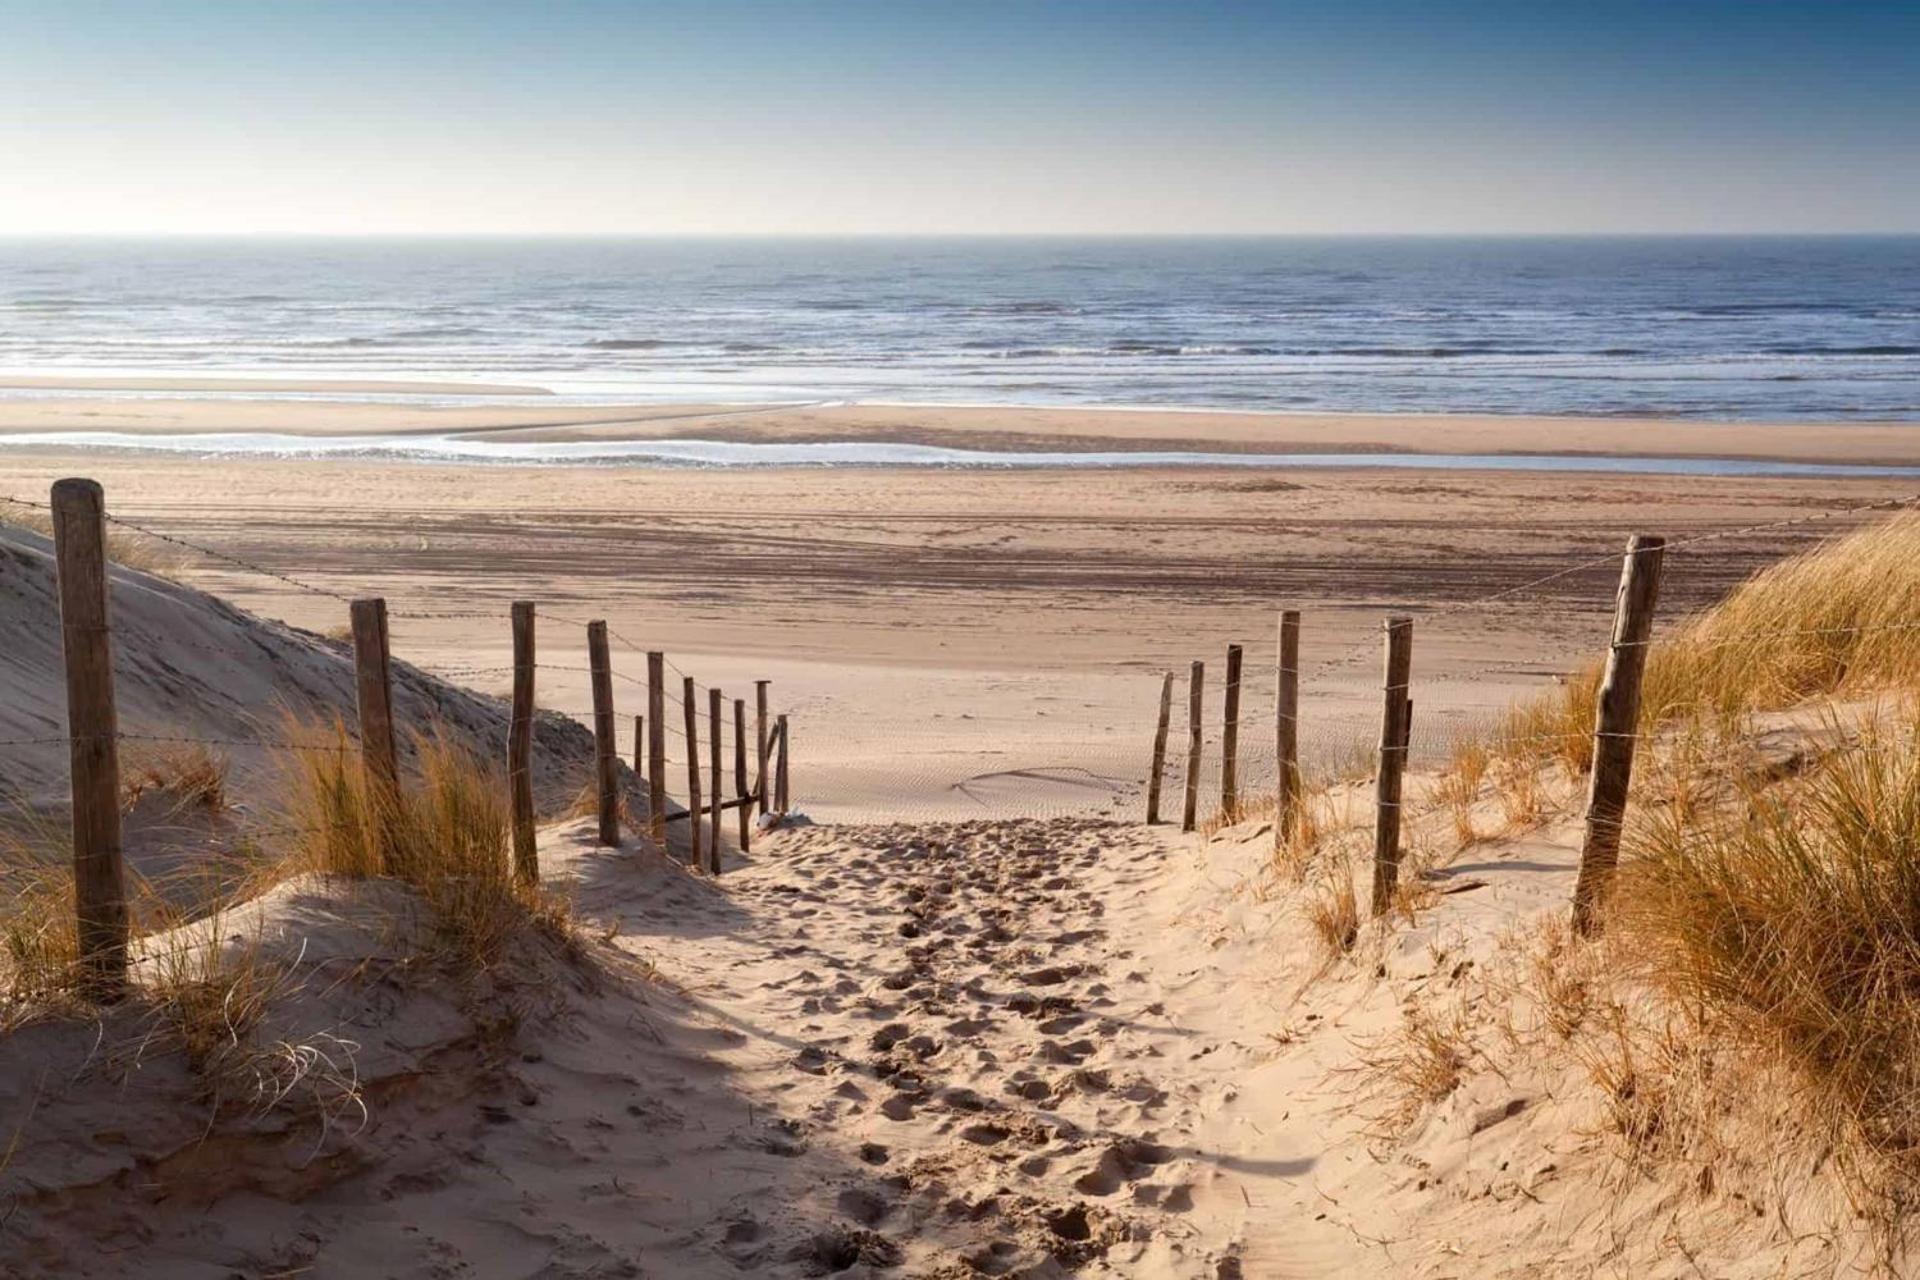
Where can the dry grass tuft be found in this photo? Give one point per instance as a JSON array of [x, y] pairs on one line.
[[126, 548], [1333, 912], [1791, 924], [1459, 787], [447, 837], [193, 775], [1418, 1064]]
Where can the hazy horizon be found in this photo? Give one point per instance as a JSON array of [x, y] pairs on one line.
[[749, 118]]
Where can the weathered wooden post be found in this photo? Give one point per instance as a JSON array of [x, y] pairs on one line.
[[691, 705], [520, 745], [782, 797], [1230, 740], [740, 771], [639, 745], [760, 740], [606, 746], [718, 798], [93, 735], [1196, 684], [657, 747], [1616, 727], [1159, 749], [1394, 741], [1286, 730], [373, 671]]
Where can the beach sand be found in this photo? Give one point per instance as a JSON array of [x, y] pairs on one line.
[[957, 643]]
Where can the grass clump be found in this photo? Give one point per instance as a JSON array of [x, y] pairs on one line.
[[1791, 922], [447, 836], [125, 547]]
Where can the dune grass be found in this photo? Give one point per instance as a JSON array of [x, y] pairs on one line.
[[1791, 920], [125, 547], [1842, 619]]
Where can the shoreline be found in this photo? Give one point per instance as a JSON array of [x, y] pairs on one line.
[[1009, 430]]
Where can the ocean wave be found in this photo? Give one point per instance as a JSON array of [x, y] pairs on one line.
[[631, 344]]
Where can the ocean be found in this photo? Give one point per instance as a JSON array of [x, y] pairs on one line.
[[1749, 329]]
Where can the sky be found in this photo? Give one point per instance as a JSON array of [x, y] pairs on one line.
[[277, 117]]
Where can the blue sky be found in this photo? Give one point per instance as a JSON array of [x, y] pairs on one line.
[[990, 116]]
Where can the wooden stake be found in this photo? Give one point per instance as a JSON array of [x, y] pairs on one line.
[[93, 729], [657, 747], [1159, 749], [1395, 721], [606, 746], [713, 776], [760, 740], [781, 795], [740, 768], [1196, 685], [1616, 726], [1286, 729], [690, 704], [639, 745], [520, 745], [1230, 740], [373, 669]]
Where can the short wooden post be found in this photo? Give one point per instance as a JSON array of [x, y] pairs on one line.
[[760, 740], [1286, 729], [657, 747], [690, 704], [1196, 685], [93, 735], [373, 670], [520, 745], [1230, 740], [1617, 726], [1394, 741], [713, 776], [606, 745], [639, 745], [1159, 749], [740, 770], [782, 797]]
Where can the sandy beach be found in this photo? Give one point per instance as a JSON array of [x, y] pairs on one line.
[[961, 642]]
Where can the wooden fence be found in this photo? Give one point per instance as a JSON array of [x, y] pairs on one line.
[[79, 518]]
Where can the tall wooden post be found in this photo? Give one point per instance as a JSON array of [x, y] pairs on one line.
[[714, 702], [520, 745], [740, 770], [1196, 685], [93, 733], [1159, 749], [1230, 740], [373, 670], [1617, 726], [606, 745], [760, 740], [1286, 729], [1394, 724], [690, 703], [782, 797], [657, 747]]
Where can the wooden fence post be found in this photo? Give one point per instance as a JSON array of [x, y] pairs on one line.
[[520, 745], [1159, 749], [657, 747], [781, 795], [93, 733], [760, 740], [639, 745], [1616, 727], [1196, 685], [1394, 741], [373, 668], [606, 746], [1230, 740], [740, 771], [691, 705], [713, 776], [1286, 729]]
